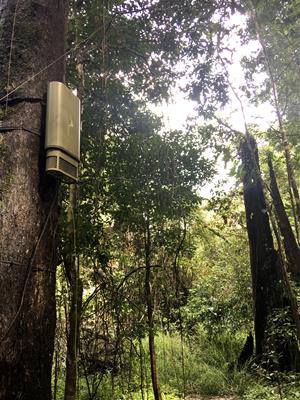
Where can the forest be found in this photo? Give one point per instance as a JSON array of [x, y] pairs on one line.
[[170, 269]]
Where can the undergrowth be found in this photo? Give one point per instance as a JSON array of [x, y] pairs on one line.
[[198, 365], [201, 365], [265, 387]]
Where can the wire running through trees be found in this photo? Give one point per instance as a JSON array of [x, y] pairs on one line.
[[10, 53], [70, 51]]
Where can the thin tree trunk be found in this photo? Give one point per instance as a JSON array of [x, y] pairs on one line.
[[76, 286], [76, 289], [292, 250], [141, 354], [149, 302], [290, 291], [73, 342], [141, 359], [32, 37], [55, 385]]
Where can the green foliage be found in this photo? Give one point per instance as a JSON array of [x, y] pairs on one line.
[[280, 333], [279, 31], [221, 296], [158, 175], [287, 388], [137, 179]]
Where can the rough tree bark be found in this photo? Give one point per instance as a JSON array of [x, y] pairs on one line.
[[32, 36], [269, 293]]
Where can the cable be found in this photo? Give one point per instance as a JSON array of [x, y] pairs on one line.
[[19, 98], [71, 50], [5, 129], [10, 263], [10, 52]]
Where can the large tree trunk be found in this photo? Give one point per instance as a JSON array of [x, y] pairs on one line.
[[269, 293], [32, 37]]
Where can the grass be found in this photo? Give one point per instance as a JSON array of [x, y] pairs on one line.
[[199, 366]]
